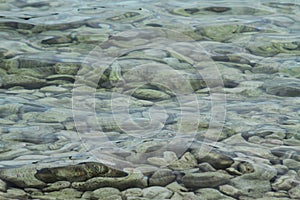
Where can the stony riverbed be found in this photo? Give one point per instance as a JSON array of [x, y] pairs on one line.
[[137, 100]]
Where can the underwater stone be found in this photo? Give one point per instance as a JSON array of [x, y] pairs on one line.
[[22, 177], [79, 172], [12, 80], [106, 193], [133, 179], [162, 177], [206, 179]]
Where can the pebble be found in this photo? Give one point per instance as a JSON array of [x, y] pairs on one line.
[[134, 179], [106, 193], [16, 193], [57, 186], [230, 191], [149, 94], [251, 187], [132, 192], [185, 196], [210, 193], [206, 167], [215, 159], [187, 161], [156, 192], [67, 193], [79, 172], [53, 89], [291, 164], [22, 177], [288, 87], [205, 179], [162, 177], [176, 187]]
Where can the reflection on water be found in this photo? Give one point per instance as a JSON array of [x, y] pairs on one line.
[[201, 94]]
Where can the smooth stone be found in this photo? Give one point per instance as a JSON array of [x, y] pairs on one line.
[[66, 68], [22, 177], [134, 179], [231, 77], [291, 164], [276, 195], [86, 195], [29, 82], [216, 159], [251, 187], [150, 94], [206, 167], [212, 194], [287, 87], [157, 161], [53, 116], [257, 171], [162, 177], [59, 185], [185, 196], [54, 89], [106, 193], [295, 192], [205, 180], [170, 156], [147, 147], [67, 193], [79, 172], [287, 152], [239, 144], [42, 135], [3, 186], [187, 161], [16, 193], [33, 192], [230, 191], [156, 192], [176, 187], [8, 156], [132, 192]]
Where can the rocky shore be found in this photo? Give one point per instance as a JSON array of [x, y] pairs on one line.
[[144, 100]]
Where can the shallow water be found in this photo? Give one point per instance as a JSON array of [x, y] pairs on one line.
[[124, 82]]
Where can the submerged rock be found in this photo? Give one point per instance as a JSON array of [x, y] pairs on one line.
[[287, 87], [133, 179], [162, 177], [206, 179], [210, 193], [22, 177], [187, 161], [79, 172], [156, 192], [12, 80], [216, 159], [149, 94], [67, 193], [59, 185], [106, 193]]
